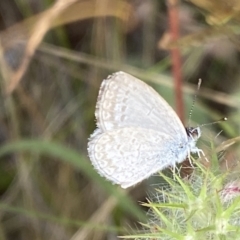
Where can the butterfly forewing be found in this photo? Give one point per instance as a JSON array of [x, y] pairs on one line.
[[125, 101]]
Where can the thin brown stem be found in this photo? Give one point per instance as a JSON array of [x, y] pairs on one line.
[[176, 56]]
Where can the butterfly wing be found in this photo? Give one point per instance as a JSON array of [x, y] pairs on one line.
[[129, 155], [125, 101]]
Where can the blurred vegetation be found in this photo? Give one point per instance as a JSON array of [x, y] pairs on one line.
[[53, 57]]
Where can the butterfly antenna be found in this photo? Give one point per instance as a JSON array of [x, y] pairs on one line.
[[194, 100], [218, 121]]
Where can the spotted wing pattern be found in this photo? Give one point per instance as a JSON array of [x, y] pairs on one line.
[[125, 101], [129, 155]]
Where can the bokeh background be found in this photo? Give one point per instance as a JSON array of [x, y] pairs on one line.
[[53, 58]]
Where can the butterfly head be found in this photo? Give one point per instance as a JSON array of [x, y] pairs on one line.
[[193, 133]]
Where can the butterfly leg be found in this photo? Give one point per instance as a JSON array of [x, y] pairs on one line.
[[199, 152], [189, 158]]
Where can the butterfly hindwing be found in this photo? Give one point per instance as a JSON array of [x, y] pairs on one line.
[[126, 156]]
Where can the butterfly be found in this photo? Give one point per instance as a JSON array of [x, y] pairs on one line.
[[138, 133]]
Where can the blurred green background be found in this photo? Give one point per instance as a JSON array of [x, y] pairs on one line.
[[48, 187]]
